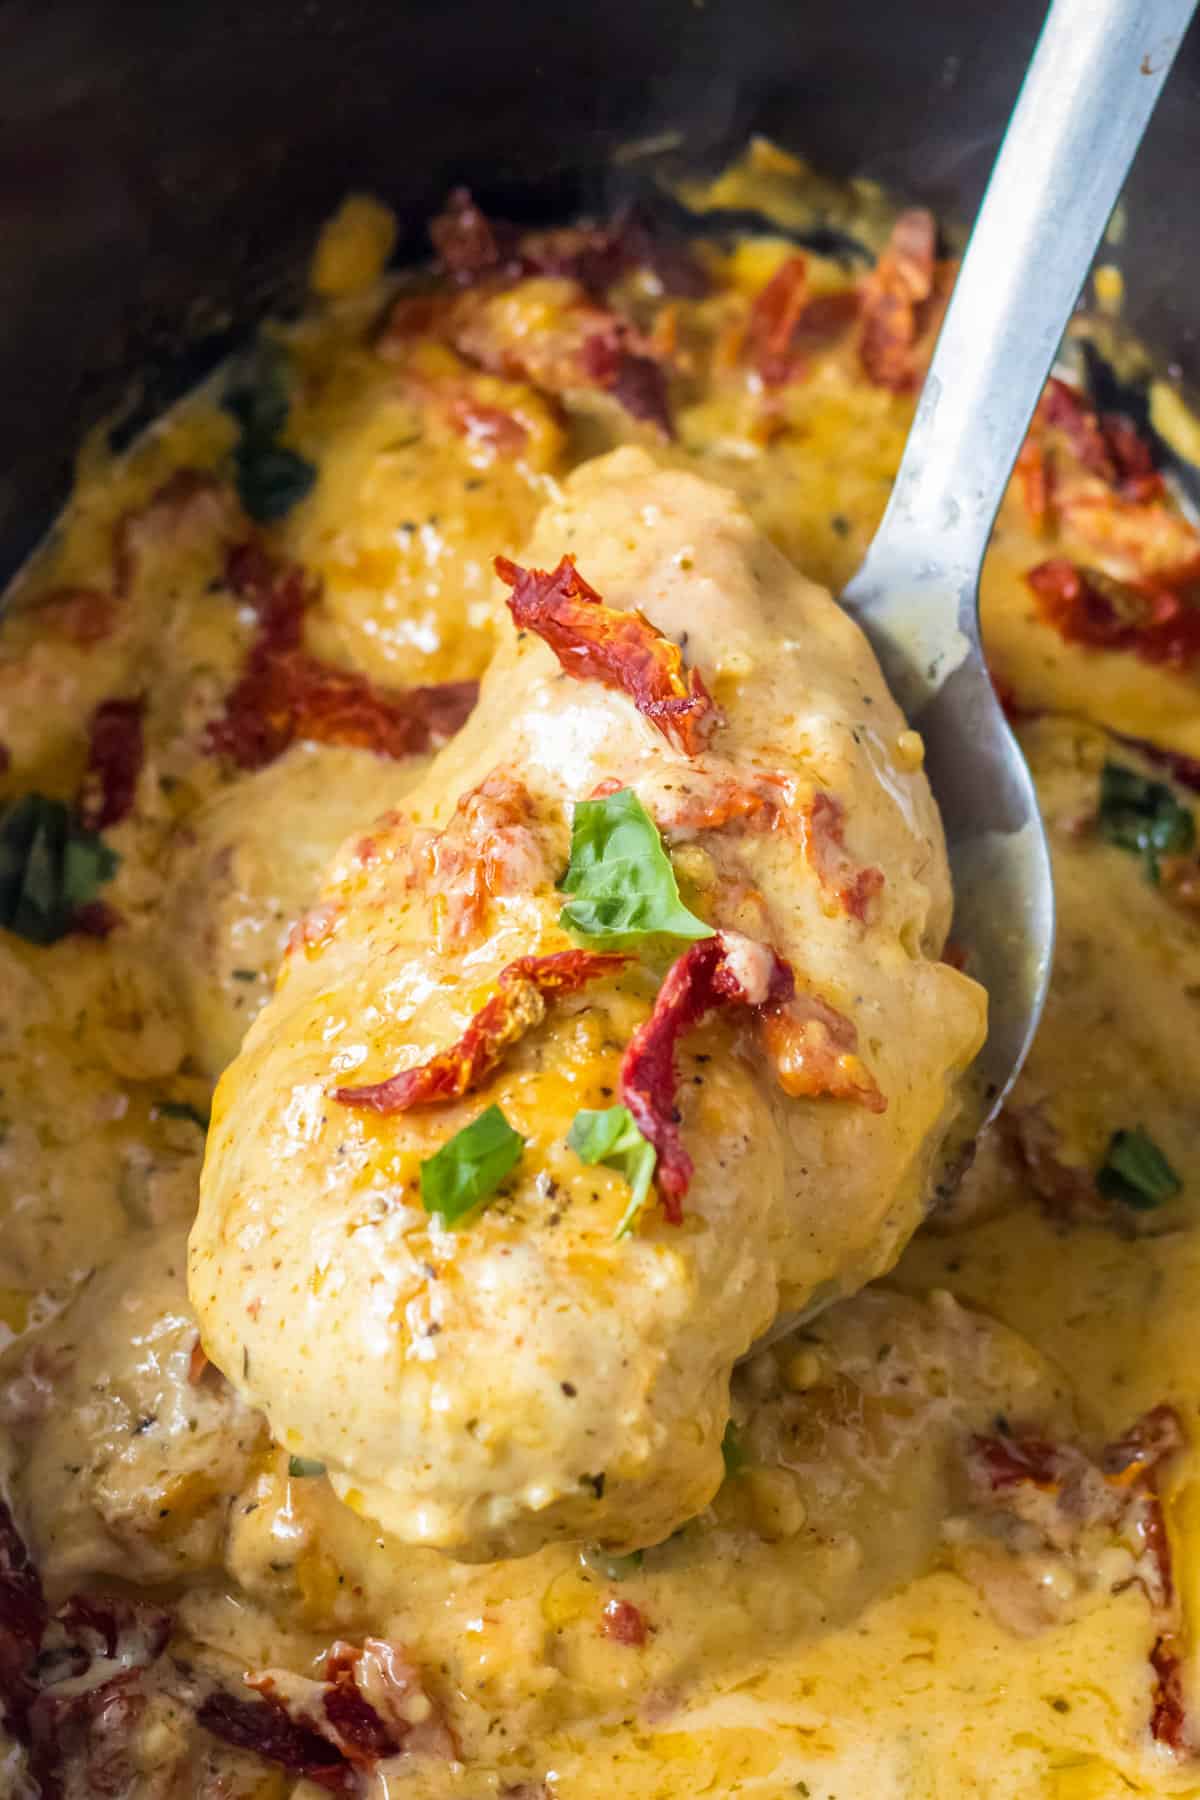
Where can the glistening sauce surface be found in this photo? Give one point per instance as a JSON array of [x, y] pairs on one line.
[[922, 1574]]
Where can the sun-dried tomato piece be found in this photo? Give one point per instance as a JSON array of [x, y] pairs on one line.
[[814, 1050], [1148, 1442], [489, 426], [362, 1735], [774, 315], [1149, 618], [265, 1727], [518, 1006], [1168, 1719], [895, 297], [1035, 473], [786, 324], [625, 1623], [853, 886], [1006, 1462], [621, 650], [393, 1703], [95, 919], [1067, 1191], [826, 318], [115, 752], [719, 971], [1064, 408], [1137, 476], [472, 247], [469, 246], [636, 381], [757, 801], [646, 243], [279, 592], [285, 695], [488, 848], [1107, 444]]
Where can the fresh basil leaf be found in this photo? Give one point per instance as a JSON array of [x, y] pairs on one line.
[[300, 1467], [471, 1166], [270, 479], [257, 391], [49, 867], [1136, 1172], [611, 1137], [732, 1454], [1143, 816], [621, 877]]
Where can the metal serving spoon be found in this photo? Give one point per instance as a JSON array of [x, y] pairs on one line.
[[1087, 98]]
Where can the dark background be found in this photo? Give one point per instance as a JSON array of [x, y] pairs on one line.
[[163, 167]]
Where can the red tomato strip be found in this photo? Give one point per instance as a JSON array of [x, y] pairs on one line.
[[267, 1729], [625, 1623], [894, 301], [702, 979], [774, 316], [1106, 444], [622, 650], [853, 886], [285, 695], [1168, 1719], [517, 1007], [115, 753], [636, 382], [1150, 618]]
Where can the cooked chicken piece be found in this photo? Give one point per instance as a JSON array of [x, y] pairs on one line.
[[129, 1443], [247, 864], [528, 1372]]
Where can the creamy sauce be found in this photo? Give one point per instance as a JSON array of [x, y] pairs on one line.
[[831, 1622]]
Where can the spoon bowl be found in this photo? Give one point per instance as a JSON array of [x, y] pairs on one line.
[[1085, 103], [1087, 98]]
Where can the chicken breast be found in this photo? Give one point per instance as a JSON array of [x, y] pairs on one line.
[[533, 1371]]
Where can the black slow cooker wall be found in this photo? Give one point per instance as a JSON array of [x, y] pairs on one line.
[[164, 163]]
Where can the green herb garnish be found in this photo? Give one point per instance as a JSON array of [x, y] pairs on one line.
[[732, 1454], [611, 1137], [182, 1109], [270, 479], [1143, 816], [621, 877], [470, 1167], [1136, 1172], [300, 1467], [49, 867]]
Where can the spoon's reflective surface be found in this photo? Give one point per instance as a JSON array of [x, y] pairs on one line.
[[1087, 98]]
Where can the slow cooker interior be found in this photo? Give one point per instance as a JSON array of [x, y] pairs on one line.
[[165, 167]]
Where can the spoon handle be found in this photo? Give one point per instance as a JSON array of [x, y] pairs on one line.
[[1088, 95]]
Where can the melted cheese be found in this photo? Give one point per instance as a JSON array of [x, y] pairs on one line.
[[812, 1631]]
